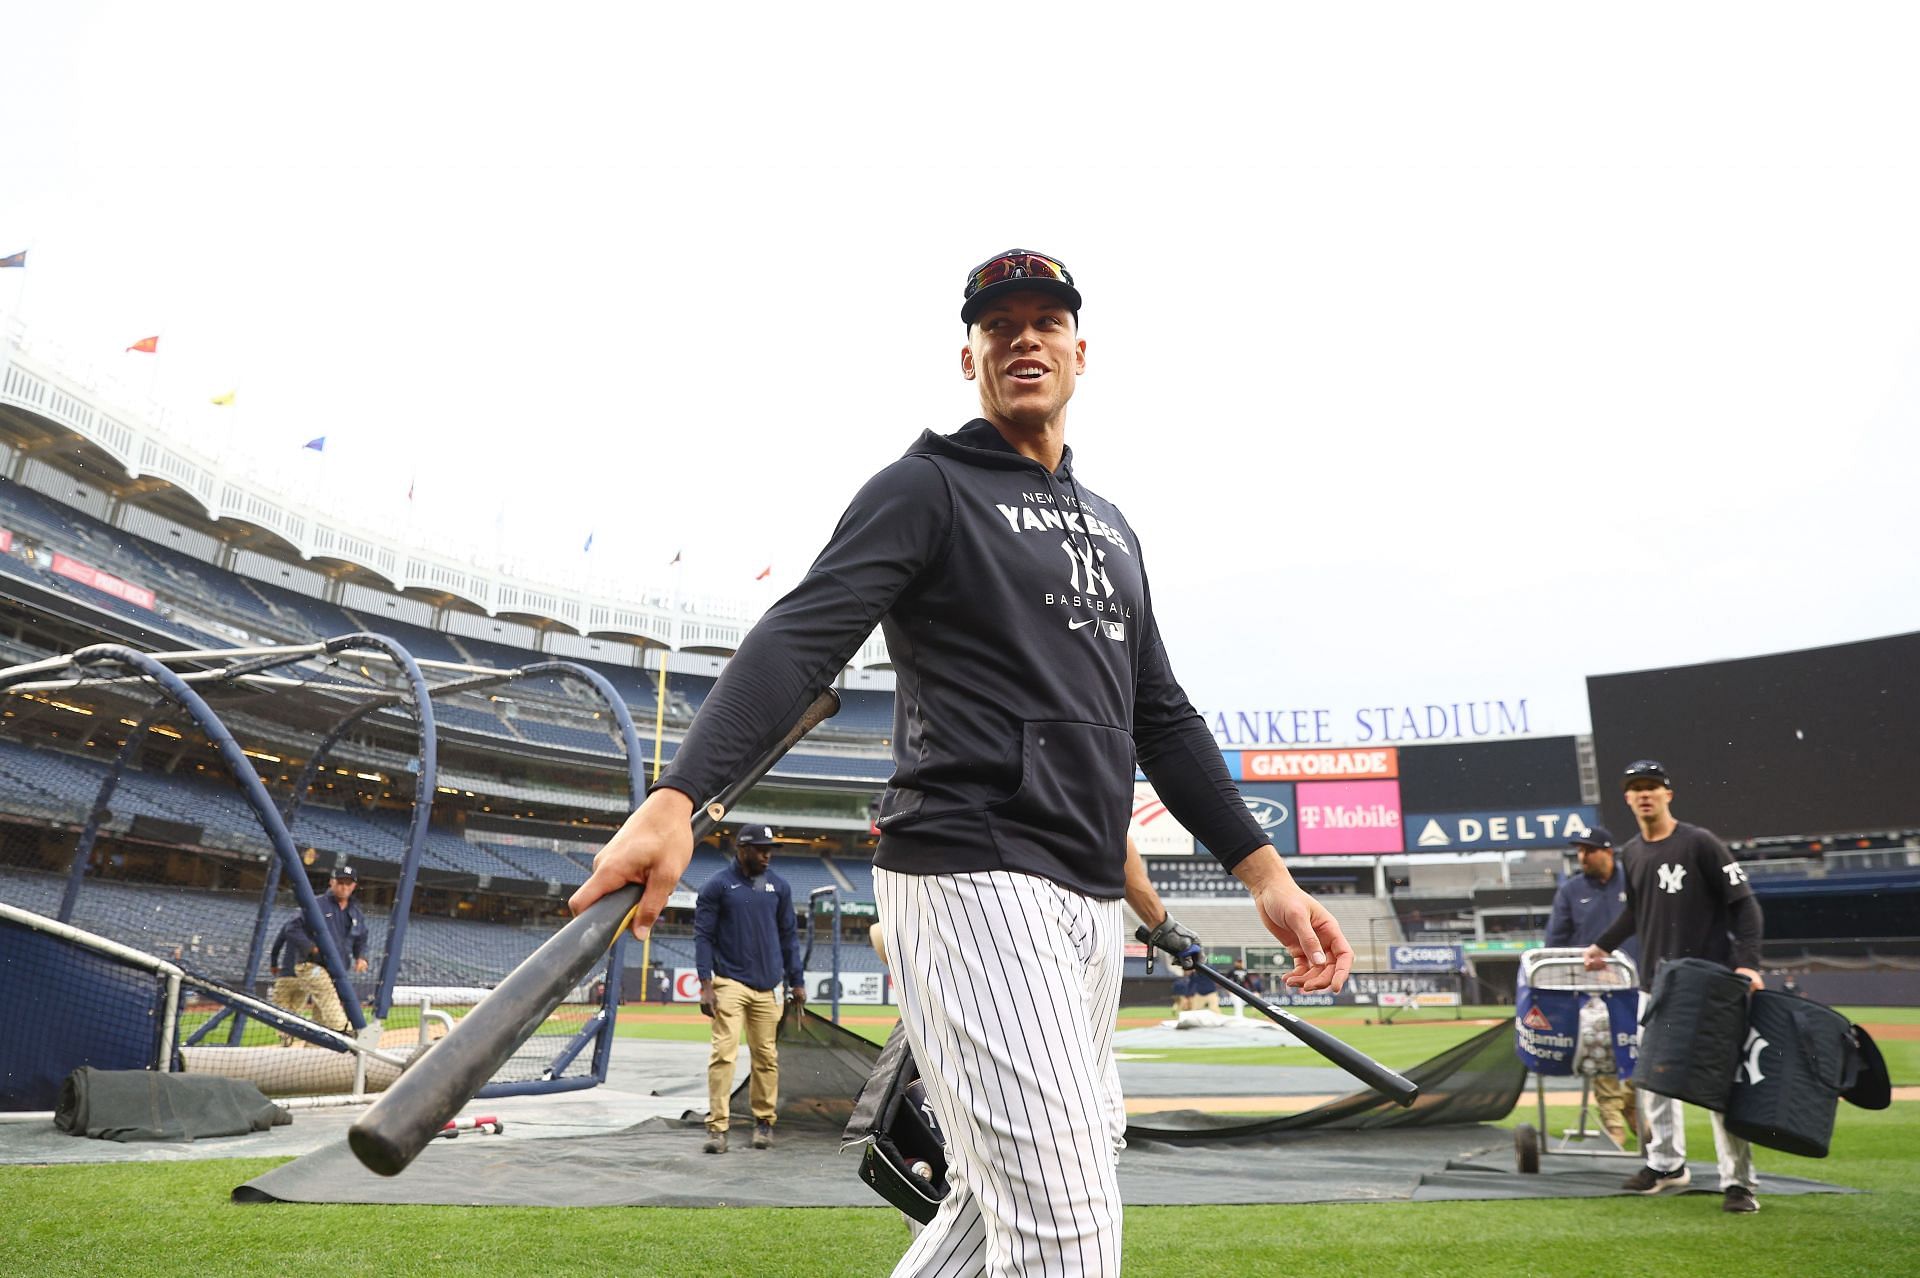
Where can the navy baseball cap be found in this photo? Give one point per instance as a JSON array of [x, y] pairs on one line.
[[1645, 770], [346, 872], [1012, 271], [1595, 837], [754, 836]]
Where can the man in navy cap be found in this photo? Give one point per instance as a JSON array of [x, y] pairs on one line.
[[302, 985], [744, 942], [1583, 907]]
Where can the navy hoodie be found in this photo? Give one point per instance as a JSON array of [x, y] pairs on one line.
[[1031, 675]]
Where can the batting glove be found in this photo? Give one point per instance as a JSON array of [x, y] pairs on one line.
[[1177, 941]]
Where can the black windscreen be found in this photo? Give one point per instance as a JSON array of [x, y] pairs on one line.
[[1534, 772], [1823, 741]]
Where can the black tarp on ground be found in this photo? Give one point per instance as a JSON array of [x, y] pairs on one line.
[[1477, 1081], [1179, 1159]]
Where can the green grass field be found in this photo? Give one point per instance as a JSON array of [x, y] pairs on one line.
[[175, 1218]]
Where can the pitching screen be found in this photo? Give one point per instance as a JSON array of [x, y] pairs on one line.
[[1822, 741]]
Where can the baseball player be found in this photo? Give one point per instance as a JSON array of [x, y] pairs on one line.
[[1031, 680], [744, 942], [301, 984], [1686, 898], [1583, 907]]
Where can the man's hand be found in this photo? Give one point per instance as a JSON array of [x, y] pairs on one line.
[[1177, 941], [359, 965], [1753, 978], [652, 849], [797, 993], [1321, 956], [1593, 958], [706, 998]]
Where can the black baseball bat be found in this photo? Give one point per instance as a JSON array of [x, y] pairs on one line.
[[1357, 1063], [388, 1136]]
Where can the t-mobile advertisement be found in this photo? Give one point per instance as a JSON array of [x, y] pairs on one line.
[[1349, 816]]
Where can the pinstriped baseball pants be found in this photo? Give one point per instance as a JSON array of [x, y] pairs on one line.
[[1009, 985]]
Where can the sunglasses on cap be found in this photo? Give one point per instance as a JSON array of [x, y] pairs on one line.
[[1016, 266]]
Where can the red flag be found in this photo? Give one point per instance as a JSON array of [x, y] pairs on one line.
[[148, 344], [764, 573]]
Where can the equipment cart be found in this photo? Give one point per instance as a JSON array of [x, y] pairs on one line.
[[1569, 1021]]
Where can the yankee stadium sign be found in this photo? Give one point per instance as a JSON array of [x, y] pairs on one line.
[[1361, 725]]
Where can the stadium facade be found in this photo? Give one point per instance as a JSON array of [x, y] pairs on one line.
[[113, 526]]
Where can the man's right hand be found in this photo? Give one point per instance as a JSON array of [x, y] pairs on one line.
[[652, 849], [706, 998], [1594, 957]]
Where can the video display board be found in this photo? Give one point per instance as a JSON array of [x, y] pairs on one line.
[[1819, 741]]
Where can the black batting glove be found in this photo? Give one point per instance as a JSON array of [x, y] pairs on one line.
[[1177, 941]]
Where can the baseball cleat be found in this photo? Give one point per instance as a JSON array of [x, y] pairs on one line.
[[1649, 1181]]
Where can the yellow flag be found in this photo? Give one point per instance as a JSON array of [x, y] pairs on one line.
[[226, 398]]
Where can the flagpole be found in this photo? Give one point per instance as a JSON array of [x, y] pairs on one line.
[[660, 693]]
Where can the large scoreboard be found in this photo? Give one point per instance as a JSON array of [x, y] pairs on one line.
[[1816, 742]]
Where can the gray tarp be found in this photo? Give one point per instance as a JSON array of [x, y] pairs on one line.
[[116, 1104]]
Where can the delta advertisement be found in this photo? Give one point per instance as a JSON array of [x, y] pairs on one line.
[[858, 988], [1475, 831]]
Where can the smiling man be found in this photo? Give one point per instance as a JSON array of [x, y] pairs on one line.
[[1031, 679]]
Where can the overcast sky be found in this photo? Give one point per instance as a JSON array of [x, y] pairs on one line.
[[1436, 353]]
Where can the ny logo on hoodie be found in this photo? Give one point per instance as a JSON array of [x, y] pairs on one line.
[[1087, 562]]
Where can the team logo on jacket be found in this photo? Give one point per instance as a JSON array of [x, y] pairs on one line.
[[1087, 562], [1735, 872], [1671, 877]]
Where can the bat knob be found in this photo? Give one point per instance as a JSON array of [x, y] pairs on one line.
[[1142, 933]]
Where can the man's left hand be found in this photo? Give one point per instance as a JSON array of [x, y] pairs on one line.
[[359, 965], [1753, 977], [1178, 941], [797, 994], [1321, 956]]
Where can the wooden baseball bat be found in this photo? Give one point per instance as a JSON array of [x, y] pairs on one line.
[[1355, 1062], [389, 1135]]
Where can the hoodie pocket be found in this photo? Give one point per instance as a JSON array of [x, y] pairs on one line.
[[1076, 783]]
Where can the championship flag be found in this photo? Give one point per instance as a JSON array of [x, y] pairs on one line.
[[148, 345], [318, 444], [225, 399], [675, 560], [18, 259], [588, 548], [764, 573]]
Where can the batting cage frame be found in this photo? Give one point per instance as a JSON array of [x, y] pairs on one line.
[[106, 665]]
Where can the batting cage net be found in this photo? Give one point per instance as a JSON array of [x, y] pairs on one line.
[[264, 822]]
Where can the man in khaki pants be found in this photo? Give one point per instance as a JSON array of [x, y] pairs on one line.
[[744, 942], [303, 985]]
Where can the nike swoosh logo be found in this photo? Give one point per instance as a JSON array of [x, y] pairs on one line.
[[1077, 625]]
